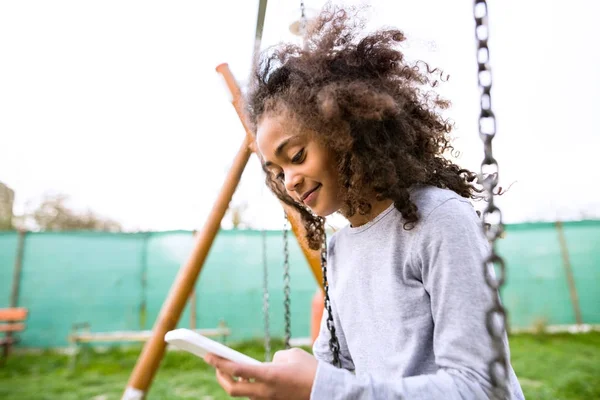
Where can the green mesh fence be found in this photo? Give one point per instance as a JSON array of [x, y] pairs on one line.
[[118, 282], [537, 289]]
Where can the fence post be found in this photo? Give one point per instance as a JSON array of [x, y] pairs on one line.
[[144, 281], [569, 272], [16, 281]]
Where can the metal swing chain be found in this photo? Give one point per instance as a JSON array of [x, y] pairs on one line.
[[302, 19], [266, 297], [334, 344], [286, 284], [492, 217]]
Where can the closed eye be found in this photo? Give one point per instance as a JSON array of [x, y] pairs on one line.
[[279, 176], [297, 159]]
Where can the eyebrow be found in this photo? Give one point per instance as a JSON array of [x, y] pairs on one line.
[[280, 148]]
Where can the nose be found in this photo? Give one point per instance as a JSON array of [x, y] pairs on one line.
[[292, 181]]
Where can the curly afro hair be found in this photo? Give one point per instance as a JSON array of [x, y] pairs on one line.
[[374, 110]]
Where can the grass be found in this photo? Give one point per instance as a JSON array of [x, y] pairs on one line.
[[548, 366], [561, 366]]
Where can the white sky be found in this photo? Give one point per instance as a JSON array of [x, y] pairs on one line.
[[117, 103]]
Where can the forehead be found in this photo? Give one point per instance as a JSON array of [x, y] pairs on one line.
[[271, 131]]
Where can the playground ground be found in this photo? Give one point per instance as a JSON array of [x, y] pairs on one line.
[[560, 366]]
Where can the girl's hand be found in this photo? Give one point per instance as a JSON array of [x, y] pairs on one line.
[[290, 376]]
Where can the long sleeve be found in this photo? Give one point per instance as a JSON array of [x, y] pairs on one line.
[[448, 252]]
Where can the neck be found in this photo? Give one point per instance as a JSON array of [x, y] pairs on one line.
[[377, 207]]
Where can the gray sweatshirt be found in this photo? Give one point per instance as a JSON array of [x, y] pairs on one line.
[[409, 307]]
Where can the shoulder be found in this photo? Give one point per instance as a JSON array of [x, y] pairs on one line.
[[445, 216], [436, 204], [449, 232]]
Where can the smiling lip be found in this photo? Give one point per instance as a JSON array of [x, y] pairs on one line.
[[311, 195]]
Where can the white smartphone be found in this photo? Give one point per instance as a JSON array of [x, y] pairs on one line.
[[199, 345]]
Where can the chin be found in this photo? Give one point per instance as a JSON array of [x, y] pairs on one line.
[[317, 213], [323, 211]]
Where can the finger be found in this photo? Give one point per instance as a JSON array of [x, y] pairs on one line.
[[258, 372], [225, 380], [239, 388], [286, 356], [281, 356]]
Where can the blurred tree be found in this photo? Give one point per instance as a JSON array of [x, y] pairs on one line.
[[7, 197], [53, 214], [236, 214]]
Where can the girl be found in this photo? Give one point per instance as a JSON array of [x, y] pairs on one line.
[[346, 125]]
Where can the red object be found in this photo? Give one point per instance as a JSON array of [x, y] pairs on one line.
[[318, 304]]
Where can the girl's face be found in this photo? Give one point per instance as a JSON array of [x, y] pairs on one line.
[[304, 166]]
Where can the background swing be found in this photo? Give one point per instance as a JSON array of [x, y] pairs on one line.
[[286, 293]]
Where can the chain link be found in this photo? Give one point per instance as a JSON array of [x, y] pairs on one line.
[[334, 344], [286, 284], [266, 297], [492, 217], [303, 21]]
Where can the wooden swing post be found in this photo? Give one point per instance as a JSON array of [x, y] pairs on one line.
[[170, 313]]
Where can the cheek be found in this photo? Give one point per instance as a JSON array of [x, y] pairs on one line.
[[331, 168], [332, 181], [332, 177]]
